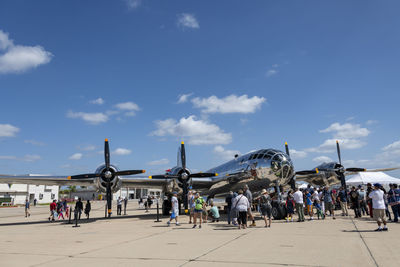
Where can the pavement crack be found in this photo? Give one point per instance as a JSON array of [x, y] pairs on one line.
[[365, 243]]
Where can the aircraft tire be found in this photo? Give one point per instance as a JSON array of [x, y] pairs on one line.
[[278, 210]]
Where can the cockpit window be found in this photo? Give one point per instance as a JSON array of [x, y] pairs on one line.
[[260, 156]]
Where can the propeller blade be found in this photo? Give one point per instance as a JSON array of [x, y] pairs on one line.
[[316, 171], [109, 199], [84, 176], [129, 172], [203, 174], [163, 176], [338, 152], [107, 154], [183, 155], [356, 170], [287, 149], [185, 195]]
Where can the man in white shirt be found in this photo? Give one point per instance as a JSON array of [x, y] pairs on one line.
[[174, 209], [298, 199], [378, 207]]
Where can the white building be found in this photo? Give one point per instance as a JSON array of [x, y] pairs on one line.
[[19, 192], [136, 193]]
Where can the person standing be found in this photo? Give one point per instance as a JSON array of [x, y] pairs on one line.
[[199, 205], [309, 203], [394, 201], [355, 203], [247, 193], [234, 212], [378, 207], [191, 205], [78, 208], [34, 202], [369, 201], [119, 206], [174, 209], [60, 209], [242, 205], [290, 206], [328, 199], [266, 207], [298, 199], [88, 207], [53, 208], [342, 197], [228, 201], [27, 207], [362, 199], [125, 204]]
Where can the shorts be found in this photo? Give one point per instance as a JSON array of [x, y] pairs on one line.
[[198, 211], [328, 206], [379, 215], [266, 212]]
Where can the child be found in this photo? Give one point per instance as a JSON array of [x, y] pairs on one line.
[[289, 207], [214, 212]]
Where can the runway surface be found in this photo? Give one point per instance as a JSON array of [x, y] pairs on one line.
[[136, 240]]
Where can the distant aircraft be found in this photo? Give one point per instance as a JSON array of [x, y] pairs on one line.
[[107, 178]]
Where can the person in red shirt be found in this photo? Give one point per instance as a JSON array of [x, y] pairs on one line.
[[53, 207]]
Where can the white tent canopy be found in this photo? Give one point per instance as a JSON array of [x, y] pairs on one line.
[[372, 177]]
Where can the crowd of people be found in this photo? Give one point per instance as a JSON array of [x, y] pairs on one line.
[[59, 208]]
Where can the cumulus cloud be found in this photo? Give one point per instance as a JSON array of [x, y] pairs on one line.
[[98, 101], [133, 4], [26, 158], [297, 154], [225, 154], [230, 104], [8, 130], [346, 130], [76, 156], [183, 98], [329, 145], [198, 132], [92, 118], [271, 72], [20, 58], [186, 20], [393, 146], [129, 107], [158, 162], [121, 152], [322, 159]]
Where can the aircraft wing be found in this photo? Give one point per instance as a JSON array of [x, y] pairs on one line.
[[373, 170], [43, 180], [144, 182]]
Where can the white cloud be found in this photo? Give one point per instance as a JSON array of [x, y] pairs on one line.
[[133, 4], [186, 20], [92, 118], [392, 146], [271, 72], [322, 159], [98, 101], [297, 154], [19, 58], [198, 132], [130, 107], [8, 130], [26, 158], [229, 104], [121, 152], [329, 145], [224, 153], [346, 130], [183, 98], [158, 162], [76, 156], [34, 142]]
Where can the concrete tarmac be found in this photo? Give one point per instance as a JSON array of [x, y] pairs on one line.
[[136, 240]]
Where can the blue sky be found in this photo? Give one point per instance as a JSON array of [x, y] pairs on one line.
[[224, 76]]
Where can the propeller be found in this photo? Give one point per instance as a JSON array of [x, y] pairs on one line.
[[107, 175], [287, 149], [184, 176]]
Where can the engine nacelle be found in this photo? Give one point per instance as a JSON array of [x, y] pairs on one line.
[[101, 182]]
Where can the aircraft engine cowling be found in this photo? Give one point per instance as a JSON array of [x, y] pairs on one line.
[[101, 182]]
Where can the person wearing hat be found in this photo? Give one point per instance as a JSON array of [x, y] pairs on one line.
[[394, 201], [378, 207], [199, 205], [174, 209], [266, 207]]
